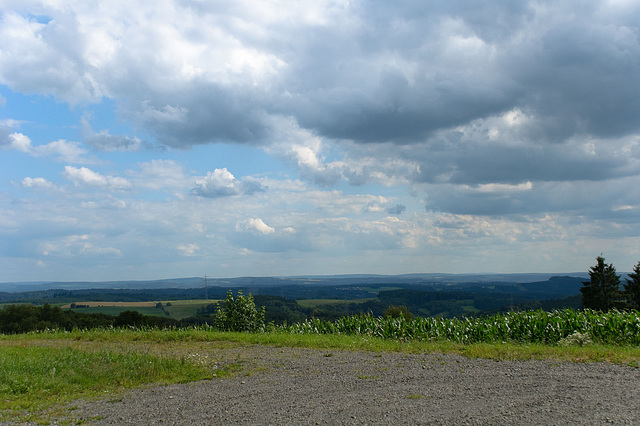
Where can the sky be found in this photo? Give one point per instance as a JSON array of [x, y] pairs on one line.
[[148, 140]]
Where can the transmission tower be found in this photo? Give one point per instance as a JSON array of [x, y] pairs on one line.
[[206, 288]]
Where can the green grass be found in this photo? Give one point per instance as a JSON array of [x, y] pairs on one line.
[[38, 374], [175, 343]]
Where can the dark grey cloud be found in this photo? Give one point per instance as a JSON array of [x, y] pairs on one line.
[[359, 85], [205, 114], [107, 142], [581, 77], [396, 209], [583, 200], [478, 163], [576, 74], [104, 141]]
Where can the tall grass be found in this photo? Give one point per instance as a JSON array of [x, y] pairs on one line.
[[613, 327]]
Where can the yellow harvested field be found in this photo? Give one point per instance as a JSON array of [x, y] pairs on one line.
[[118, 304]]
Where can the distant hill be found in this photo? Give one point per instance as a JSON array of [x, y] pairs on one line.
[[310, 280], [503, 290]]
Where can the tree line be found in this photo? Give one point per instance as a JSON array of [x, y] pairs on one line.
[[603, 292], [24, 318]]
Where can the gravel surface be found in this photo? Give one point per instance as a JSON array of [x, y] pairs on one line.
[[287, 386]]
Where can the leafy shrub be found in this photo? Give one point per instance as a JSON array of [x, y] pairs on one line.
[[397, 312], [238, 314]]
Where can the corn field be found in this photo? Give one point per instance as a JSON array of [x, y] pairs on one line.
[[613, 327]]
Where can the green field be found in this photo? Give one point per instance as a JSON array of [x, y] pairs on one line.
[[177, 309], [116, 310], [185, 308]]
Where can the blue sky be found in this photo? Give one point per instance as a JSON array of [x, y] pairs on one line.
[[170, 139]]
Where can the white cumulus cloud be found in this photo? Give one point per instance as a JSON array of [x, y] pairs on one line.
[[255, 225], [60, 150], [17, 141], [38, 183], [85, 176], [222, 183]]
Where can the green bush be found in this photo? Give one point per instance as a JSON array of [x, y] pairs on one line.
[[397, 312], [238, 314]]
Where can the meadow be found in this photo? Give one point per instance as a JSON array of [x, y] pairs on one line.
[[177, 309]]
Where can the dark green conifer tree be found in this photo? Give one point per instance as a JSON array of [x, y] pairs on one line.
[[602, 291], [632, 288]]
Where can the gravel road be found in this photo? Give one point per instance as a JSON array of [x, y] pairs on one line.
[[287, 386]]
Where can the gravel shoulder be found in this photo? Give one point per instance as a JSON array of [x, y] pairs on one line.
[[289, 386]]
